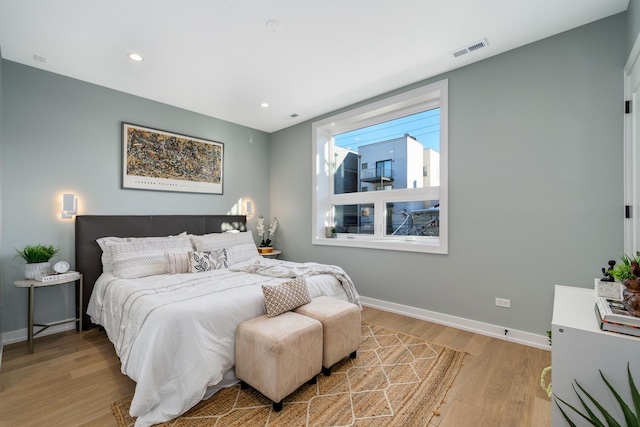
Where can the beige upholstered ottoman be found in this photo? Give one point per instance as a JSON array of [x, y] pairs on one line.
[[276, 355], [340, 328]]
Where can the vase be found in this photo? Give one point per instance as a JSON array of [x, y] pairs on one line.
[[265, 249], [32, 270]]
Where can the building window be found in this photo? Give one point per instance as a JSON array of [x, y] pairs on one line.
[[394, 205]]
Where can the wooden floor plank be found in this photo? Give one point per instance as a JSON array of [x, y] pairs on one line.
[[72, 379], [461, 414]]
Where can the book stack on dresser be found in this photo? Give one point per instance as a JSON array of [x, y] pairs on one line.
[[613, 317]]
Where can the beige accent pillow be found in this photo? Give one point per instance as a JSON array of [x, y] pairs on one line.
[[177, 262], [285, 296]]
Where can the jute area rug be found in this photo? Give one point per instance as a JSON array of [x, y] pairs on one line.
[[396, 380]]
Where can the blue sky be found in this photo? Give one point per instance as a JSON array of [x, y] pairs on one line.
[[425, 127]]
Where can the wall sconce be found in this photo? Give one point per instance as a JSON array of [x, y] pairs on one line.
[[69, 206], [248, 208]]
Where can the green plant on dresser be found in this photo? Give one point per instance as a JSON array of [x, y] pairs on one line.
[[620, 272]]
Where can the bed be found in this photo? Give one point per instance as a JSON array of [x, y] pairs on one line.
[[173, 324]]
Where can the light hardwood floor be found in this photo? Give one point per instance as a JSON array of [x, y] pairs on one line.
[[71, 379]]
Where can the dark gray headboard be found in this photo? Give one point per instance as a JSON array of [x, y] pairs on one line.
[[92, 227]]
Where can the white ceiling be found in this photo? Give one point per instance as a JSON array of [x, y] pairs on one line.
[[218, 57]]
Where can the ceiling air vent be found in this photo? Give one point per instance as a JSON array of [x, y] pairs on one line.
[[39, 58], [474, 46], [292, 116]]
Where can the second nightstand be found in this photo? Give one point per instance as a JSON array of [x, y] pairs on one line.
[[273, 254]]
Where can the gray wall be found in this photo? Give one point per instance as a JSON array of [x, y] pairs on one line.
[[535, 172], [1, 151], [64, 135], [633, 23]]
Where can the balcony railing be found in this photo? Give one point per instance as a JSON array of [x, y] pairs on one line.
[[376, 175]]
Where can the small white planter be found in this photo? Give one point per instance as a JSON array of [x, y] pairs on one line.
[[31, 270]]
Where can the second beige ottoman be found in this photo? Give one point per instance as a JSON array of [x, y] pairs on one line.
[[341, 328], [276, 355]]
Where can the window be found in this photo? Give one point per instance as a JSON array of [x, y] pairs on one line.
[[370, 173]]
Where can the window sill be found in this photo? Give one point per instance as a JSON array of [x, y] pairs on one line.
[[391, 244]]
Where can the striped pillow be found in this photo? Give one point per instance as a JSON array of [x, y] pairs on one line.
[[177, 262]]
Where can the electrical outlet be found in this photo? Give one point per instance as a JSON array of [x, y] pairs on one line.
[[501, 302]]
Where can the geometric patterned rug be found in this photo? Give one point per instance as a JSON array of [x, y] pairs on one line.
[[396, 380]]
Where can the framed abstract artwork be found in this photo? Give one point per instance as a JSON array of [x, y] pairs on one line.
[[158, 160]]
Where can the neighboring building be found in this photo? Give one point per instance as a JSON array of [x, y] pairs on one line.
[[388, 165], [392, 164], [431, 168], [346, 176]]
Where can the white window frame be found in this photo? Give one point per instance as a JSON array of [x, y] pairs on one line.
[[434, 95]]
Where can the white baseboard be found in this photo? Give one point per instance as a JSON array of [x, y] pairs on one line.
[[494, 331], [21, 334]]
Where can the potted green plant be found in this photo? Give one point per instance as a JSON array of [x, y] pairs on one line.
[[37, 258], [622, 271]]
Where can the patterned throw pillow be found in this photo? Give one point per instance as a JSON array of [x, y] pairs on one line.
[[208, 260], [285, 296]]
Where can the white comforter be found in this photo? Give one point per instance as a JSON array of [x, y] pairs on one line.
[[175, 334]]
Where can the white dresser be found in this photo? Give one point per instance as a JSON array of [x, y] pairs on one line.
[[580, 348]]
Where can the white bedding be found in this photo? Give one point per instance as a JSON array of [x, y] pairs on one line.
[[175, 334]]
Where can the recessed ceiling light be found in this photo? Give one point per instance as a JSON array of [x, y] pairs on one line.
[[135, 57], [265, 105], [273, 25]]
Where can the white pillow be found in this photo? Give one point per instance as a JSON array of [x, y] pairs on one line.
[[240, 246], [107, 266], [243, 252], [151, 239], [221, 240], [139, 259]]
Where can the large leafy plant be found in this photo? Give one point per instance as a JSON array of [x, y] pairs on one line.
[[632, 419], [37, 253]]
